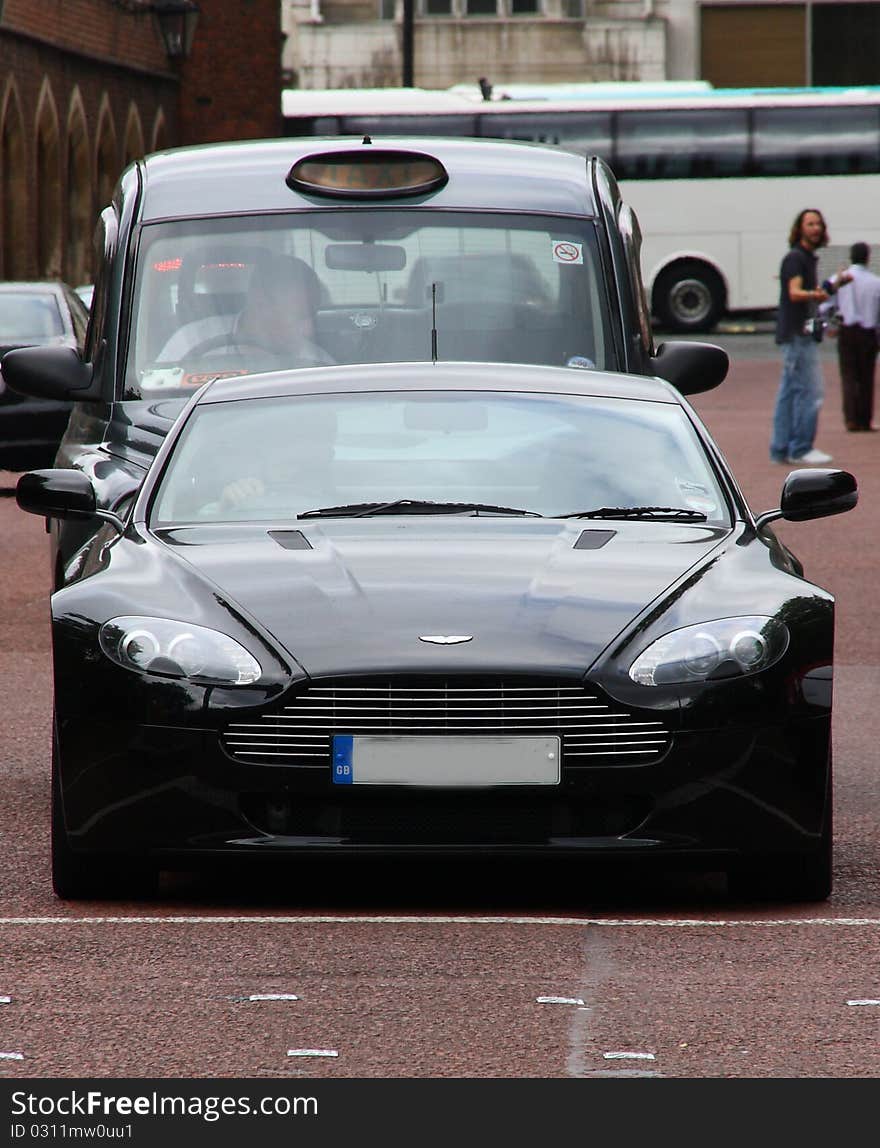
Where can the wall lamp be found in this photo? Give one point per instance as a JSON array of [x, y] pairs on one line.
[[177, 21]]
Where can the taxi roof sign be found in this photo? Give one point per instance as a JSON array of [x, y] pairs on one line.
[[371, 173]]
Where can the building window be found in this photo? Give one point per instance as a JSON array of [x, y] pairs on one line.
[[790, 45], [524, 7], [845, 41], [481, 7], [437, 7]]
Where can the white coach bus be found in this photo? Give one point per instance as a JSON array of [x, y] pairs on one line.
[[715, 177]]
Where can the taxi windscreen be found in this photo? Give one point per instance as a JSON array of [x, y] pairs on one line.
[[236, 296]]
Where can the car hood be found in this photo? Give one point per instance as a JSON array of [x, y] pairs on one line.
[[350, 596]]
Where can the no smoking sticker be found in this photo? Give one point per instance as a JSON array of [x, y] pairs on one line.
[[566, 252]]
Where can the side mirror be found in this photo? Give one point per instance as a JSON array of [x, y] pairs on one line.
[[48, 373], [816, 493], [61, 493], [691, 367]]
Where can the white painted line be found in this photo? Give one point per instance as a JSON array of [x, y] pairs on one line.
[[11, 1056], [273, 997], [628, 1055], [619, 1073], [559, 1000], [5, 1000], [863, 1002], [312, 1052], [554, 922]]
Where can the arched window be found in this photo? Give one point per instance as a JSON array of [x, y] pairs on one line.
[[48, 189], [134, 137], [13, 192], [79, 219], [107, 166], [160, 132]]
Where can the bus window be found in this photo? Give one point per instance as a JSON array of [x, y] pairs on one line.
[[685, 144], [816, 141], [586, 132], [409, 125]]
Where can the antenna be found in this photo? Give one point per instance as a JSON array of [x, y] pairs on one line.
[[433, 322]]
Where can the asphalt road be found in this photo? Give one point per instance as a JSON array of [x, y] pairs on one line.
[[436, 970]]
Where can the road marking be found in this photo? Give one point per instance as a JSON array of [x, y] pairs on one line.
[[272, 997], [312, 1052], [869, 1002], [628, 1055], [564, 922], [559, 1000]]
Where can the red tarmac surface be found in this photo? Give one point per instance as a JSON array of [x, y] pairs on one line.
[[671, 967]]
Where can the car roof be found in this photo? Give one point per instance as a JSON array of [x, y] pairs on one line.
[[250, 176], [423, 376], [32, 287]]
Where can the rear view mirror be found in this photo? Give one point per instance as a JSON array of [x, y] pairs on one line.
[[446, 416], [365, 257]]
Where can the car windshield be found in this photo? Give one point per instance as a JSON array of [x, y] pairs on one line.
[[238, 296], [477, 453], [30, 317]]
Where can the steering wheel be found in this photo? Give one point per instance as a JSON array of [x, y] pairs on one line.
[[232, 341]]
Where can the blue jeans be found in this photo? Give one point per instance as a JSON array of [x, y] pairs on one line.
[[800, 395]]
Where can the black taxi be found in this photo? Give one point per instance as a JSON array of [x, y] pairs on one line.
[[263, 256]]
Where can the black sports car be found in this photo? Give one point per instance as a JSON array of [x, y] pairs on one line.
[[411, 607]]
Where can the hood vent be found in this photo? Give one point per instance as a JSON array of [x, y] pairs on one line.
[[291, 539], [593, 539]]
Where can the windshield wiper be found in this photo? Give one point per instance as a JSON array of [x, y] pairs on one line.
[[414, 506], [669, 513]]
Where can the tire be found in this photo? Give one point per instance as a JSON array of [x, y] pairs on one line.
[[797, 877], [689, 297], [81, 877]]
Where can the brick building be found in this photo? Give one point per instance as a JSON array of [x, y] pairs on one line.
[[86, 86]]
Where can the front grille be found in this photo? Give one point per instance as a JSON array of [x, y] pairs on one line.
[[591, 729]]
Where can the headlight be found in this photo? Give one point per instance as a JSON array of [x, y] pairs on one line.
[[725, 648], [177, 650]]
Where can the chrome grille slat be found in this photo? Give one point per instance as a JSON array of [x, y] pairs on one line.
[[300, 731], [402, 691]]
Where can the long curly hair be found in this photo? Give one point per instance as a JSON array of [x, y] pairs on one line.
[[794, 236]]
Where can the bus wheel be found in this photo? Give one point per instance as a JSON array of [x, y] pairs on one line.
[[688, 296]]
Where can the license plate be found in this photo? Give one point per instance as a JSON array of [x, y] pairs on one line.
[[453, 762]]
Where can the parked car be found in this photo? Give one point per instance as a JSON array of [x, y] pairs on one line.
[[36, 314], [374, 225], [407, 608], [85, 292]]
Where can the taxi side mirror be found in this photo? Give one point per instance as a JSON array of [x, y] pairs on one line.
[[691, 367]]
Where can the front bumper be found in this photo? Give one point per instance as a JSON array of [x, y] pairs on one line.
[[174, 794]]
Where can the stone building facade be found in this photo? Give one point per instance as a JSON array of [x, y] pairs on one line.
[[736, 43], [86, 86], [353, 44]]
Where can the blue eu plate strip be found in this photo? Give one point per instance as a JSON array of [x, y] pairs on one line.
[[343, 770]]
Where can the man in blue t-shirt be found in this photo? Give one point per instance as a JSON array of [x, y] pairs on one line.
[[801, 389]]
